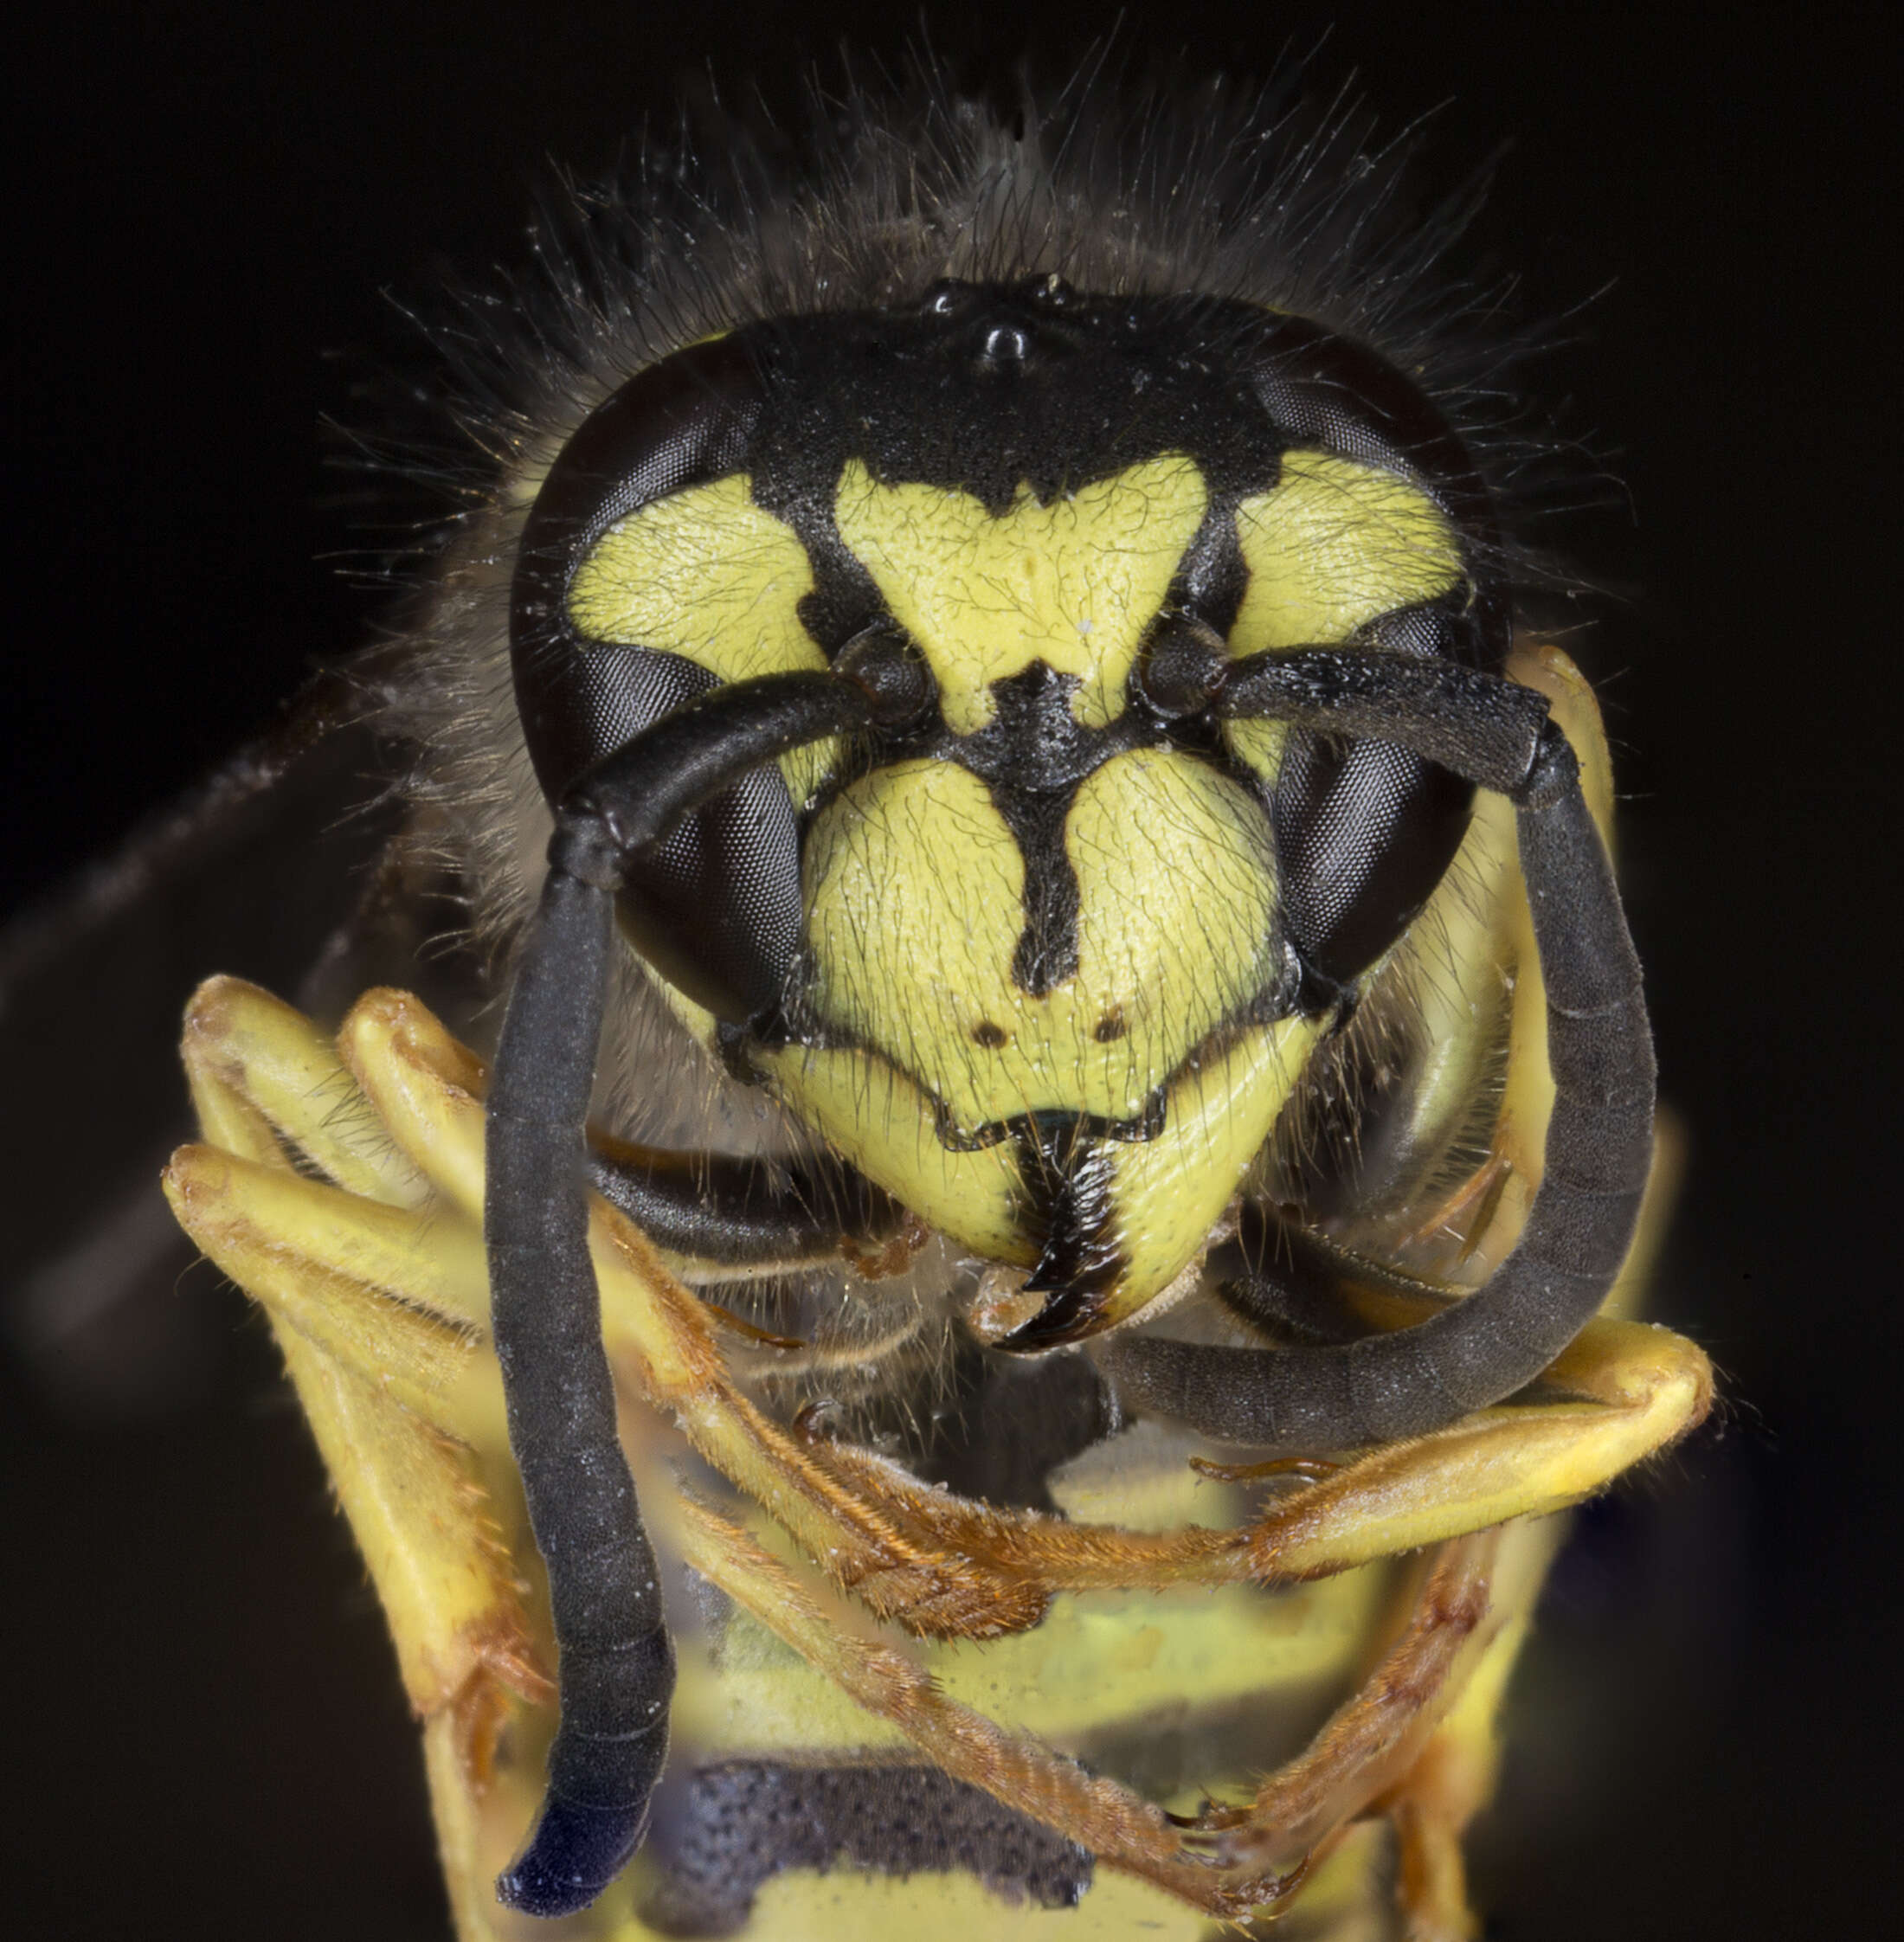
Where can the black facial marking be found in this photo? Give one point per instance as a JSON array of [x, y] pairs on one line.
[[985, 391], [1031, 755], [1148, 1125], [1212, 578]]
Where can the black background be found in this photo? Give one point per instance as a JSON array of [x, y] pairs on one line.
[[205, 1733]]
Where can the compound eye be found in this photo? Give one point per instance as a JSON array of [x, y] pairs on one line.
[[1365, 830], [716, 908]]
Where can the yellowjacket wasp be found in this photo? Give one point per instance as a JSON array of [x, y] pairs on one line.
[[1113, 927]]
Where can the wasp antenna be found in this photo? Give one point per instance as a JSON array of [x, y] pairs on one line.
[[617, 1665], [1413, 1380]]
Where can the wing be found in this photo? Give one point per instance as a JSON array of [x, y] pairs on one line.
[[270, 865]]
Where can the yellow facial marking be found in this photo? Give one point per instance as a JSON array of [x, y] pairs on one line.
[[915, 899], [706, 575], [1260, 746], [1336, 544], [1176, 881], [885, 1126], [1169, 1192], [1074, 583], [914, 904]]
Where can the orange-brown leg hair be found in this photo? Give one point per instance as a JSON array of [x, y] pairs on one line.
[[373, 1276]]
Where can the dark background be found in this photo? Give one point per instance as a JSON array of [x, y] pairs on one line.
[[205, 1730]]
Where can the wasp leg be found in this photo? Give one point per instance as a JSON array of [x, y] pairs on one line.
[[1454, 1777], [720, 1214], [945, 1567], [1417, 1744], [1123, 1829], [1619, 1391], [266, 1083], [373, 1304], [379, 1295], [1630, 1390], [1232, 1863], [381, 1303], [427, 1091]]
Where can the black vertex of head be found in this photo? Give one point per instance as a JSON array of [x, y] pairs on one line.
[[987, 390]]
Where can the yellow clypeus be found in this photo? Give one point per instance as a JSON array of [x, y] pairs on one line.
[[914, 913]]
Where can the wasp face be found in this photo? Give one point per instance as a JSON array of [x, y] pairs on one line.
[[1045, 952]]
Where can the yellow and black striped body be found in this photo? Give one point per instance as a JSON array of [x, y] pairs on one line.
[[1046, 1001]]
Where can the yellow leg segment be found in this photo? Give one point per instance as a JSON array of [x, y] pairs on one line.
[[947, 1568], [387, 1371], [1454, 1777], [342, 1187]]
